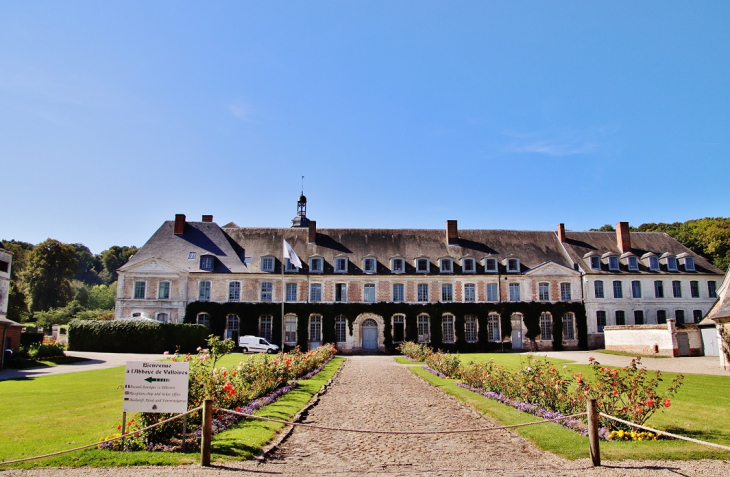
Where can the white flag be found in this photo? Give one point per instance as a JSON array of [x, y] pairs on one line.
[[291, 255]]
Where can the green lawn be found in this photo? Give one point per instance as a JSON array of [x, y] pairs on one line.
[[699, 410], [58, 412]]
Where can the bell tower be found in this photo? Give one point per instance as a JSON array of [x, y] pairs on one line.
[[301, 219]]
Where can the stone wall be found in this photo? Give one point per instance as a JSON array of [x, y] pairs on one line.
[[657, 340]]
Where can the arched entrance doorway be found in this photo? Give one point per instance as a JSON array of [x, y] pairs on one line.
[[516, 331], [369, 335]]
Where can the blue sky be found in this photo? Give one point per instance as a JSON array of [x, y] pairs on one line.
[[116, 115]]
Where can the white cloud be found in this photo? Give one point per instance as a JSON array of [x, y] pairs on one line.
[[559, 142], [242, 110], [553, 148]]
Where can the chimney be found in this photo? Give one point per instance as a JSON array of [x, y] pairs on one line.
[[561, 232], [312, 231], [179, 224], [207, 218], [623, 238], [452, 233]]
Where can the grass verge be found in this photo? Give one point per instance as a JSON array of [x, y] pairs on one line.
[[699, 411], [58, 412]]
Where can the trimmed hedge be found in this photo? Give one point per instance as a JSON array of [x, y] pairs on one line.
[[135, 336], [28, 338]]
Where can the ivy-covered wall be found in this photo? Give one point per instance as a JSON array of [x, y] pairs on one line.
[[249, 314]]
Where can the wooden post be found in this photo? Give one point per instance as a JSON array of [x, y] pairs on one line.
[[593, 433], [205, 438], [124, 427], [185, 432]]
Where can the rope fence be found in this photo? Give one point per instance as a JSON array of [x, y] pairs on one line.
[[123, 436]]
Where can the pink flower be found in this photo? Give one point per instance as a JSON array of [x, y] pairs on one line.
[[166, 353]]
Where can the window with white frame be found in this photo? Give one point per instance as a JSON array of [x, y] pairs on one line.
[[206, 263], [514, 292], [234, 291], [618, 289], [613, 263], [369, 292], [653, 264], [636, 289], [546, 327], [513, 265], [266, 327], [267, 264], [340, 265], [689, 264], [568, 327], [543, 291], [661, 316], [658, 289], [490, 265], [598, 289], [447, 292], [492, 292], [315, 328], [638, 317], [191, 255], [447, 327], [672, 264], [422, 292], [677, 288], [369, 265], [163, 317], [231, 326], [446, 265], [397, 265], [163, 290], [203, 319], [565, 292], [341, 292], [600, 320], [266, 291], [468, 265], [290, 329], [140, 288], [424, 329], [470, 329], [633, 263], [469, 292], [398, 292], [620, 318], [315, 292], [204, 291], [712, 288], [493, 327], [694, 289], [422, 265], [340, 329], [316, 265], [291, 292], [595, 262], [290, 267]]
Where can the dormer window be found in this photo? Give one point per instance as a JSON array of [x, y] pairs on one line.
[[653, 264], [513, 265], [289, 267], [689, 264], [267, 264], [397, 265], [633, 264], [446, 265], [468, 265], [490, 265], [206, 263], [672, 264], [595, 262], [422, 265], [613, 263], [315, 265], [341, 265], [369, 265]]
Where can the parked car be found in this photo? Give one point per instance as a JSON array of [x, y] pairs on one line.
[[256, 344]]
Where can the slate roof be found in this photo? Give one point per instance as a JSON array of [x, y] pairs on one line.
[[721, 308], [203, 238], [578, 244]]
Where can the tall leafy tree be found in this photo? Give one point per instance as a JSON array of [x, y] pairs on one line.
[[51, 266], [113, 258], [17, 298], [89, 265]]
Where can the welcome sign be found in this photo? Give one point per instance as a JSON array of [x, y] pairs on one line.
[[156, 387]]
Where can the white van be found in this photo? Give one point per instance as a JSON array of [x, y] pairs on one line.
[[256, 344]]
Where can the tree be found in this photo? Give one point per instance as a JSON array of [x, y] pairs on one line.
[[112, 259], [89, 265], [102, 297], [17, 297], [51, 266], [605, 228]]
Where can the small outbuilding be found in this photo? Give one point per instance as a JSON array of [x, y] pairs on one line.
[[719, 315]]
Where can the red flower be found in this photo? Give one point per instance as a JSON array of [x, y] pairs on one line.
[[667, 402], [650, 402], [614, 392]]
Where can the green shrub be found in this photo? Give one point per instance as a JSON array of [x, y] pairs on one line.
[[415, 351], [446, 363], [135, 336], [27, 338]]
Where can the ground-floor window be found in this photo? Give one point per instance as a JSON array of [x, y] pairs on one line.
[[424, 329], [638, 317], [679, 316], [447, 325], [203, 319], [340, 329], [163, 317], [620, 318], [232, 327], [265, 327], [600, 320], [315, 328], [470, 329], [399, 328], [661, 316], [493, 327], [697, 314], [290, 329], [546, 327], [569, 327]]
